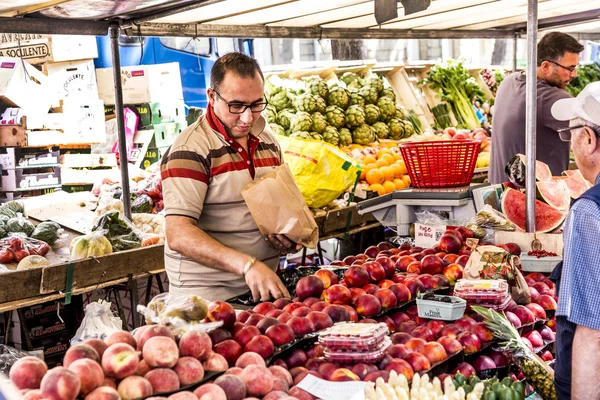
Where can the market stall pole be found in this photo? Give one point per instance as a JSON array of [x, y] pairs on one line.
[[531, 109], [114, 31]]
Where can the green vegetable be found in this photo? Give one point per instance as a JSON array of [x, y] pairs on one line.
[[142, 204], [585, 74], [46, 231], [119, 232], [345, 136], [16, 206], [302, 121], [20, 224], [3, 231], [7, 212], [94, 245], [331, 135], [270, 113]]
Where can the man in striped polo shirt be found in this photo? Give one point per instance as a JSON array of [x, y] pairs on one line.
[[214, 248]]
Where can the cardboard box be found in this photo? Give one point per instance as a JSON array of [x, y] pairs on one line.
[[427, 236], [165, 134], [73, 80], [50, 121], [21, 85], [142, 84], [152, 156], [84, 122], [38, 49], [154, 113], [13, 157], [29, 179]]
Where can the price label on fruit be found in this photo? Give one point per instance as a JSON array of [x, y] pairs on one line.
[[326, 390]]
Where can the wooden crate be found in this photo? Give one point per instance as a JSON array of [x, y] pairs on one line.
[[409, 96], [14, 135], [80, 169]]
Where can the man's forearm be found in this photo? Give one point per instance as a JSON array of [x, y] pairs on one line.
[[585, 372], [192, 242]]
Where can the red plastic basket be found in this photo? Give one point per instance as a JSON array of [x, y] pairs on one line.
[[440, 164]]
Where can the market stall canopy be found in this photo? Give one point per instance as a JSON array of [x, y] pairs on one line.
[[336, 19]]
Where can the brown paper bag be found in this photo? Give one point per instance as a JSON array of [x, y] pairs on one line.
[[278, 207], [491, 262]]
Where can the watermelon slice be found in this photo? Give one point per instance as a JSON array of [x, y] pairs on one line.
[[516, 171], [576, 183], [554, 193], [542, 170], [547, 218]]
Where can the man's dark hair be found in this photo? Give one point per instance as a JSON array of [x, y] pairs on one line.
[[238, 63], [554, 45]]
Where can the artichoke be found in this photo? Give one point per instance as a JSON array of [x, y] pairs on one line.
[[331, 135], [281, 100], [396, 128], [284, 117], [345, 137], [387, 108], [381, 130], [357, 84], [338, 96], [335, 116], [348, 77], [363, 134], [356, 99], [409, 129], [302, 121], [273, 85], [369, 93], [306, 102], [318, 87], [277, 129], [355, 116], [270, 114], [377, 83], [321, 105], [319, 122], [372, 114], [400, 113], [301, 135], [387, 92]]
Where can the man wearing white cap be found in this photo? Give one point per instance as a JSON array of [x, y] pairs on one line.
[[577, 277]]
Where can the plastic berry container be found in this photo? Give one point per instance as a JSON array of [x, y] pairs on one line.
[[353, 337], [354, 357], [490, 292]]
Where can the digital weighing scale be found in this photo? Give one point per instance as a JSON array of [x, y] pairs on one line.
[[397, 209]]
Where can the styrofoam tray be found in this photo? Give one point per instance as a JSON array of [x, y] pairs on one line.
[[543, 264]]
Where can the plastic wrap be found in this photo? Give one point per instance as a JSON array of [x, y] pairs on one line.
[[152, 187], [516, 171], [487, 217], [9, 356], [431, 218], [98, 323], [17, 246], [141, 204], [119, 231], [93, 245], [181, 313]]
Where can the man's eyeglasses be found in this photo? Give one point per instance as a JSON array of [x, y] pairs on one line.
[[240, 108], [570, 69], [565, 133]]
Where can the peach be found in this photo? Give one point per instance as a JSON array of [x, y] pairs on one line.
[[221, 311], [418, 362], [320, 320], [401, 292], [465, 369], [399, 317], [337, 294], [300, 394], [121, 337], [258, 380], [388, 265], [451, 345], [120, 360], [282, 373], [27, 372], [280, 385], [535, 338], [103, 393], [398, 350], [189, 370], [31, 394], [282, 302], [274, 314], [301, 325], [362, 370], [215, 362], [110, 382], [78, 352], [268, 322], [481, 330], [319, 306], [195, 344], [234, 371], [296, 358], [453, 272], [309, 286], [450, 243], [372, 251], [403, 263], [424, 333], [466, 322], [243, 316], [264, 307], [337, 313], [536, 276], [415, 344], [524, 314], [152, 331], [300, 377], [230, 349], [163, 380], [233, 386], [415, 286], [90, 374], [161, 352], [352, 314], [98, 345], [435, 327], [386, 297], [537, 310], [260, 345], [210, 391], [313, 364], [356, 276], [60, 384], [301, 312], [343, 375], [220, 335], [451, 330], [401, 367], [249, 358], [400, 337], [283, 334], [142, 368], [470, 342], [434, 351], [389, 322], [406, 327], [294, 372], [414, 267], [432, 264], [370, 288], [462, 260], [183, 395], [328, 277], [244, 335], [375, 270], [368, 305]]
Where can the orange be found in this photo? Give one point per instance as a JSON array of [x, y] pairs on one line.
[[403, 167], [388, 158], [399, 183], [389, 186], [397, 156], [381, 163], [406, 180], [377, 187], [369, 159], [388, 173], [382, 152], [374, 176], [397, 170]]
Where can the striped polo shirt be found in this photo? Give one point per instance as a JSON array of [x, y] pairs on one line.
[[203, 174]]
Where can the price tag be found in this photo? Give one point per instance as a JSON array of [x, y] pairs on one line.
[[326, 390]]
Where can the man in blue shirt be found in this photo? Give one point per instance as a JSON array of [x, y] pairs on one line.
[[577, 371]]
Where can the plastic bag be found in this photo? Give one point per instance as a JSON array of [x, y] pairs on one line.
[[19, 224], [141, 204], [98, 323], [108, 203], [118, 230], [92, 245], [17, 246], [152, 187], [181, 313], [9, 356], [487, 217], [431, 218], [149, 223], [322, 171]]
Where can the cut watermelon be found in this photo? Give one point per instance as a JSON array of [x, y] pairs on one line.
[[555, 193], [542, 170], [547, 218], [516, 171], [576, 183]]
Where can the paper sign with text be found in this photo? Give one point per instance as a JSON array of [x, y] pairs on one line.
[[428, 235]]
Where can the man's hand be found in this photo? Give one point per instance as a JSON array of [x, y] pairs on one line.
[[283, 244], [264, 283]]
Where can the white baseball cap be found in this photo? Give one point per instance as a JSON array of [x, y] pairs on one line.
[[586, 105]]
